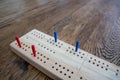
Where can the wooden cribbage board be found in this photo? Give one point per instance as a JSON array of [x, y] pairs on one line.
[[60, 61]]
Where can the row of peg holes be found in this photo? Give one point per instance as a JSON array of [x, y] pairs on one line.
[[23, 44], [53, 43], [63, 69], [98, 61], [47, 48], [38, 35], [74, 50], [41, 56], [97, 65], [23, 47], [66, 70], [43, 47], [102, 64], [81, 56]]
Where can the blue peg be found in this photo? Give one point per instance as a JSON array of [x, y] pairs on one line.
[[77, 45], [55, 36]]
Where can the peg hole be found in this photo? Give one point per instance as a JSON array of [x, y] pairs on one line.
[[72, 72], [65, 74], [90, 57], [117, 70], [98, 61], [56, 69], [44, 61], [89, 61], [41, 54], [67, 69], [107, 65], [94, 59], [47, 58], [116, 74], [55, 63], [25, 49], [59, 65], [60, 71], [106, 69], [69, 76], [63, 67], [81, 78], [52, 66]]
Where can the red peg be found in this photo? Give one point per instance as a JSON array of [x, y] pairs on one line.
[[18, 41], [33, 50]]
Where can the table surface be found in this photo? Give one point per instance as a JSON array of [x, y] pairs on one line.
[[96, 23]]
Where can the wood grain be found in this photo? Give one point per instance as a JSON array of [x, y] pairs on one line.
[[95, 22]]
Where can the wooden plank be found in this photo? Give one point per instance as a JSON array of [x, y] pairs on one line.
[[60, 61]]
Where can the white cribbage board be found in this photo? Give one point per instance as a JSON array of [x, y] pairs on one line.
[[60, 61]]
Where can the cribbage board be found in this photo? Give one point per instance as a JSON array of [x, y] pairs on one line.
[[59, 60]]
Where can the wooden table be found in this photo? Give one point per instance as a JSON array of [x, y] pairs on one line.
[[96, 23]]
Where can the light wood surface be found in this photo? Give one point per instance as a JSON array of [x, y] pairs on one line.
[[95, 22]]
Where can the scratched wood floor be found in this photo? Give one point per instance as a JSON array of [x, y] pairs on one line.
[[96, 23]]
